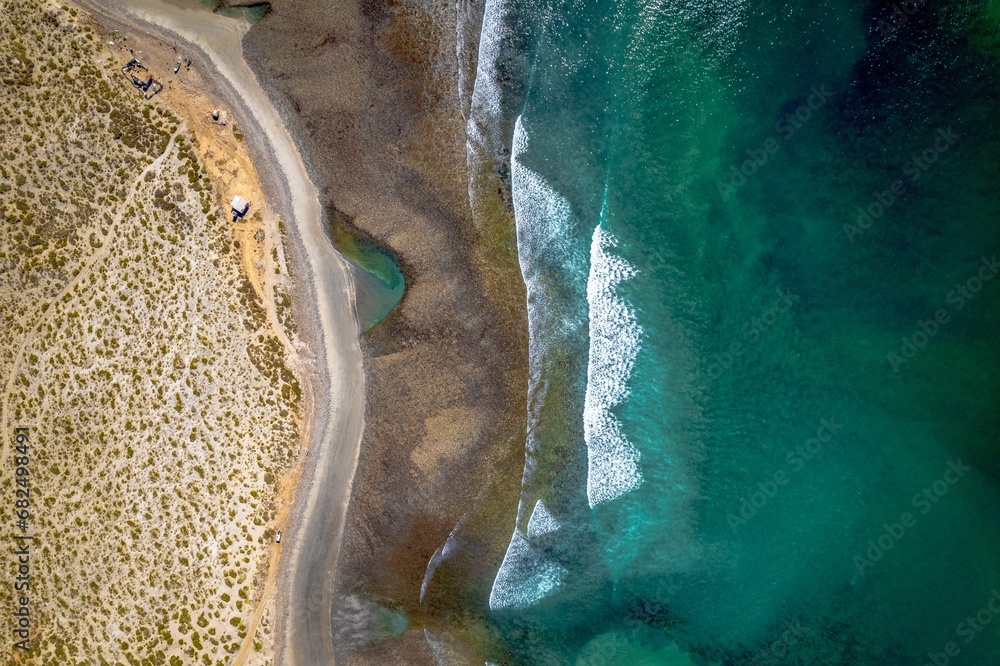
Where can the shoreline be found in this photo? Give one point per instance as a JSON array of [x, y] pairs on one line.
[[374, 94], [332, 374]]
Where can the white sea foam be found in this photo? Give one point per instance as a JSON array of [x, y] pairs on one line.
[[615, 335], [541, 213], [525, 577], [542, 521], [468, 25], [482, 130], [443, 552], [486, 89], [437, 648], [544, 220]]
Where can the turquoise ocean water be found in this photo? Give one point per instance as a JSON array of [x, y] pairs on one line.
[[760, 243]]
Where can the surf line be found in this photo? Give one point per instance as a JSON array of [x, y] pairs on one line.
[[615, 338]]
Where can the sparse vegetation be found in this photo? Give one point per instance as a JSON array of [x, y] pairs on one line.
[[160, 401]]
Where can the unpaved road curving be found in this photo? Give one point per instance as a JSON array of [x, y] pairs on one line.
[[335, 385]]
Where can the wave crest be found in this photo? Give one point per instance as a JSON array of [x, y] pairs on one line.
[[542, 521], [525, 577], [615, 335]]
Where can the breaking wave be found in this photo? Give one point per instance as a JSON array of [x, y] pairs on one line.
[[525, 577], [443, 552], [483, 129], [542, 522], [613, 462], [543, 219]]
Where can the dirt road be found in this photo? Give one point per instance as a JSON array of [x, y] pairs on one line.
[[335, 387]]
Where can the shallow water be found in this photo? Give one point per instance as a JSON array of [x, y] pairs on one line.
[[758, 243], [379, 283]]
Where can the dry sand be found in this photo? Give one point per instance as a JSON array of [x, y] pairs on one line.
[[335, 384]]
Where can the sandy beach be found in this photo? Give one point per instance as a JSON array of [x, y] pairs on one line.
[[372, 93], [323, 307]]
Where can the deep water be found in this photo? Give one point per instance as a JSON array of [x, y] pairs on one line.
[[759, 242]]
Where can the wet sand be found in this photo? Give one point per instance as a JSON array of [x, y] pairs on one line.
[[323, 307], [372, 93]]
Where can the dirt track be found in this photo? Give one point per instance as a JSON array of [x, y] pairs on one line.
[[323, 308]]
